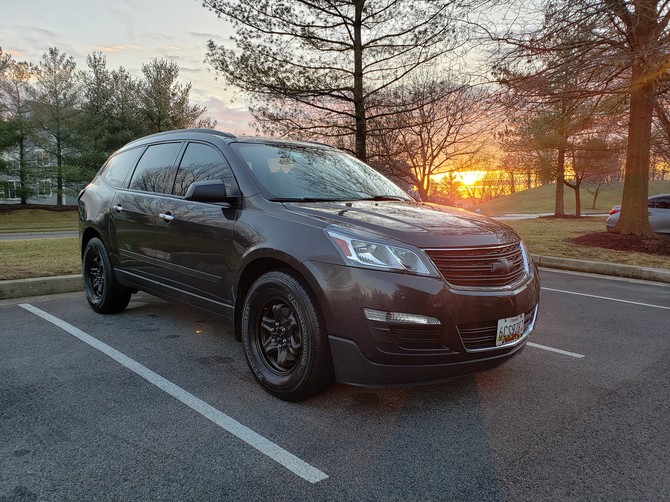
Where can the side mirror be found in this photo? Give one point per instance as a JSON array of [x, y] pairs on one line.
[[209, 191]]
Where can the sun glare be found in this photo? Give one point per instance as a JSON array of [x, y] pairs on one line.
[[470, 177]]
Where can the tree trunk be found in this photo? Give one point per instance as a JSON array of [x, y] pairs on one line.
[[578, 199], [595, 198], [423, 192], [559, 207], [59, 174], [23, 172], [359, 98], [634, 219]]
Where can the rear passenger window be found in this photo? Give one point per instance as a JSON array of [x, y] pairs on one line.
[[119, 166], [201, 163], [663, 203], [155, 170]]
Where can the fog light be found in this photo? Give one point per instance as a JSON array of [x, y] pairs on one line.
[[398, 317]]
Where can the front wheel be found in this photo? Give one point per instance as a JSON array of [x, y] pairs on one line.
[[284, 337], [103, 292]]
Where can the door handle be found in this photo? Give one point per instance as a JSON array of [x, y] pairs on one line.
[[117, 208], [166, 217]]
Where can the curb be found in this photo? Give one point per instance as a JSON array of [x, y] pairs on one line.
[[20, 288], [596, 267]]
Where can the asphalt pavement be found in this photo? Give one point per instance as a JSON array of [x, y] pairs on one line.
[[157, 403]]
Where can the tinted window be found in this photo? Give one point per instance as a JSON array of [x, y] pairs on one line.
[[119, 166], [155, 171], [200, 163], [662, 202]]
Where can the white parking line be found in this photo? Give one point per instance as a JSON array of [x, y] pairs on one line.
[[607, 298], [265, 446], [558, 351]]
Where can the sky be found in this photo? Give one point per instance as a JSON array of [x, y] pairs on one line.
[[130, 33]]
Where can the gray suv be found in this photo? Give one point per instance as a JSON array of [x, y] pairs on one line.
[[659, 214], [325, 269]]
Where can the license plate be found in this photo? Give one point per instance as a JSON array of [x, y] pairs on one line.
[[510, 329]]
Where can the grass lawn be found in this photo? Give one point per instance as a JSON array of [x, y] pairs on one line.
[[37, 220], [541, 200], [26, 258], [549, 237]]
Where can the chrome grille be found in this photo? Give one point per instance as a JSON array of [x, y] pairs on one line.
[[483, 267]]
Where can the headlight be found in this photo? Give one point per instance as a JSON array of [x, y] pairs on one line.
[[361, 252]]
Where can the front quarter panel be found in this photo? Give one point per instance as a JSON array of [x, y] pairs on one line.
[[93, 206]]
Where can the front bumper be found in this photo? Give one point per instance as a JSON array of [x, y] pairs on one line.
[[372, 353], [353, 368]]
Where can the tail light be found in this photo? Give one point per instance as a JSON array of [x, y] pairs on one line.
[[615, 211]]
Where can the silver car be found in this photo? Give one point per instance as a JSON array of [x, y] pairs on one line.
[[659, 214]]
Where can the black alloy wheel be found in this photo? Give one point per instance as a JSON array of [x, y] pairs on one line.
[[280, 336], [103, 292], [284, 337]]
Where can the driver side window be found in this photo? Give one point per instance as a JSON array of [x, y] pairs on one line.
[[201, 163]]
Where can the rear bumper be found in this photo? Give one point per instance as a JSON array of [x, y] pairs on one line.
[[353, 368]]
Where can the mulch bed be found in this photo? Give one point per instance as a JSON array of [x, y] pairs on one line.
[[659, 245]]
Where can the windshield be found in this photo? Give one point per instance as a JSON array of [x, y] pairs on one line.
[[304, 173]]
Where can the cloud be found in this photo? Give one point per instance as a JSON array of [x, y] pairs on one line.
[[199, 35], [234, 120], [117, 48]]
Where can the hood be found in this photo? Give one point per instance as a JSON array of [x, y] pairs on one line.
[[415, 223]]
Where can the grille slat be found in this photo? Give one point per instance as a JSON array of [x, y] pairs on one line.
[[417, 338], [494, 266]]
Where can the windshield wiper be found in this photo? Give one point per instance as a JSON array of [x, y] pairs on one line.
[[305, 199], [384, 197]]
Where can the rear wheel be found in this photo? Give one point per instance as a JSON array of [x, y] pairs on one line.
[[284, 337], [103, 292]]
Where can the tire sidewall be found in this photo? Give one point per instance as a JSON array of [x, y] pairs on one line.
[[277, 285], [107, 302]]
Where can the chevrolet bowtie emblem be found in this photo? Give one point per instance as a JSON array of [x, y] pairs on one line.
[[502, 266]]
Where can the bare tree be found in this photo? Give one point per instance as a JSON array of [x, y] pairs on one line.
[[554, 90], [661, 137], [322, 68], [446, 122], [524, 152], [625, 45], [594, 160]]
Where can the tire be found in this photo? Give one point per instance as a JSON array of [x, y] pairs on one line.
[[103, 292], [284, 337]]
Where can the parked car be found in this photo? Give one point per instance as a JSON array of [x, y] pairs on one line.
[[659, 214], [324, 268]]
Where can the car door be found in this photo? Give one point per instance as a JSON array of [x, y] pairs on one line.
[[134, 210], [195, 253], [659, 214]]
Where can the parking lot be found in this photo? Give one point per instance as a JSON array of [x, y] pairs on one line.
[[157, 403]]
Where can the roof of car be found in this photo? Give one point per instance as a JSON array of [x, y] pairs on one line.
[[190, 133]]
